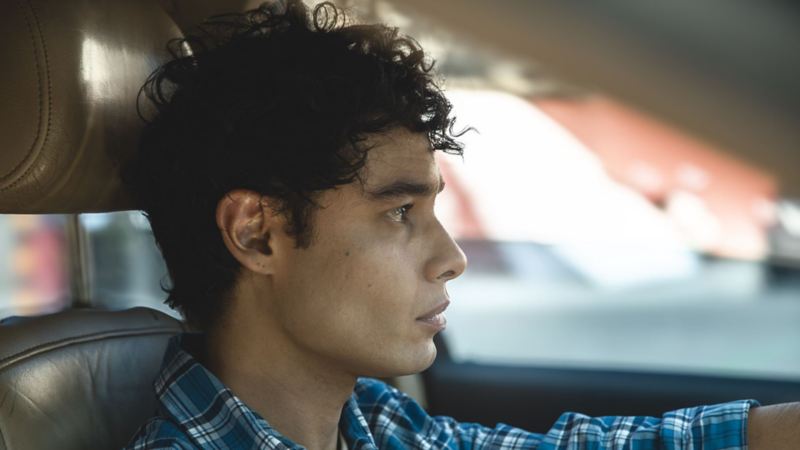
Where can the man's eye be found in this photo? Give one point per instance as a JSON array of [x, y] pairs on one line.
[[400, 214]]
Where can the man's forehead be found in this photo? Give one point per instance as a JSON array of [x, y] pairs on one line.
[[399, 154]]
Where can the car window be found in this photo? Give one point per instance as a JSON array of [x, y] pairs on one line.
[[33, 266], [599, 236], [677, 258], [123, 264], [126, 266]]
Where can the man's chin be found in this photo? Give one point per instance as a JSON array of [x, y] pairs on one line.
[[420, 360], [408, 364]]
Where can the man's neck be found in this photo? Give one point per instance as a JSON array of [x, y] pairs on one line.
[[299, 395]]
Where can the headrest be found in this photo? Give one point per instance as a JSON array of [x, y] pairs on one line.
[[71, 74]]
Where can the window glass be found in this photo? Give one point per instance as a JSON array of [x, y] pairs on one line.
[[126, 266], [33, 269], [601, 237]]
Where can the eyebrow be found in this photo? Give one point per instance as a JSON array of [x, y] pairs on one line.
[[403, 188]]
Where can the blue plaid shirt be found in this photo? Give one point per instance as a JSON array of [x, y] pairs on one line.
[[198, 411]]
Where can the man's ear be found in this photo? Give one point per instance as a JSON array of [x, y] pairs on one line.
[[245, 220]]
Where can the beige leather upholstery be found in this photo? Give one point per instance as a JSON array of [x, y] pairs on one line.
[[80, 379], [71, 73]]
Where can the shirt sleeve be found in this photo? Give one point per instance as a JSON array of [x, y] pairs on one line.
[[394, 416], [713, 427]]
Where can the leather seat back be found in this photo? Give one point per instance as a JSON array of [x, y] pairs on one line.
[[81, 379]]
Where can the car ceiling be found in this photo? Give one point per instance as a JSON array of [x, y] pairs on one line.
[[725, 70]]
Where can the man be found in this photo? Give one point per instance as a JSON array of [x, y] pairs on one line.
[[289, 178]]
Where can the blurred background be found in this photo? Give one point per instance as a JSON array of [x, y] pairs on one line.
[[599, 234]]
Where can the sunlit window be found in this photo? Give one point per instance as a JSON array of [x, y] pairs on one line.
[[601, 237], [33, 265], [122, 264]]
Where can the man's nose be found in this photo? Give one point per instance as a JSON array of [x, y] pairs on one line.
[[448, 260]]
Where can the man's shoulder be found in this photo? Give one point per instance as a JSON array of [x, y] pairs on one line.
[[160, 433]]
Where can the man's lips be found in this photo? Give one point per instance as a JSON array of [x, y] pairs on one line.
[[435, 316]]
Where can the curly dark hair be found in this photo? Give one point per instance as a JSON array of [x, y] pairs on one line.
[[274, 102]]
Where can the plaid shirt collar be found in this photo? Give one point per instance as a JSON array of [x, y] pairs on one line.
[[212, 415]]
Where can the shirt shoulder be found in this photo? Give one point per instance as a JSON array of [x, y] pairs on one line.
[[371, 390], [377, 399], [160, 433], [394, 419]]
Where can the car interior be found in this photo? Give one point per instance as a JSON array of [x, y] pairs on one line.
[[82, 377]]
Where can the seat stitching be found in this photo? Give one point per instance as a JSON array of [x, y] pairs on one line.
[[38, 91], [48, 97]]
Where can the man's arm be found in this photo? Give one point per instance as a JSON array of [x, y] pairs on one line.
[[774, 427], [397, 421]]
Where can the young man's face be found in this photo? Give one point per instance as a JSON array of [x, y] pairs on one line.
[[368, 291]]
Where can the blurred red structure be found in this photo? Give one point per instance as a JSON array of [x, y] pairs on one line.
[[723, 204]]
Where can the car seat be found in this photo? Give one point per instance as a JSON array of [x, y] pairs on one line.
[[80, 378], [71, 72]]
